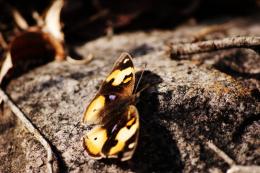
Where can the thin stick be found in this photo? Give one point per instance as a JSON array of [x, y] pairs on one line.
[[31, 128], [221, 153], [244, 169], [213, 45], [234, 168]]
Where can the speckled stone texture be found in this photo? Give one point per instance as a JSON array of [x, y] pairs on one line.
[[188, 103]]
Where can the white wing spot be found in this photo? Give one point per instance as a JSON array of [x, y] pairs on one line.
[[126, 60], [130, 146]]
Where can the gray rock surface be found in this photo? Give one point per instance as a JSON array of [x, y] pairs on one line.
[[194, 101]]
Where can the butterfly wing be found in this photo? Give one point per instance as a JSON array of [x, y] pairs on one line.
[[94, 141], [118, 141], [121, 80], [118, 85], [124, 136], [111, 112]]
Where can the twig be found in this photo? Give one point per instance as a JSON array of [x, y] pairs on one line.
[[244, 169], [31, 128], [221, 153], [213, 45], [234, 168]]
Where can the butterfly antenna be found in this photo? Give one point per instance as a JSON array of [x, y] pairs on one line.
[[139, 80]]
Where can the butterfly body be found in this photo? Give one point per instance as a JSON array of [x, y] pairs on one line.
[[114, 115]]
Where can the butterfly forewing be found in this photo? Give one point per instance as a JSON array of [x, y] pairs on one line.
[[119, 84], [121, 80]]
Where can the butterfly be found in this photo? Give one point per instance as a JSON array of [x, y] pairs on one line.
[[114, 115]]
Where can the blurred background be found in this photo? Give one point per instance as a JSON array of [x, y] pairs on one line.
[[86, 20]]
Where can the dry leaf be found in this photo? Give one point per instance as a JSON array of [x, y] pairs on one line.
[[52, 20], [19, 20], [5, 66]]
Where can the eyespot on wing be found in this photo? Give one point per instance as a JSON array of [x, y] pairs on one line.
[[94, 142]]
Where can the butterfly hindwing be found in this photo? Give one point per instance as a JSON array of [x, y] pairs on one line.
[[119, 141], [116, 119]]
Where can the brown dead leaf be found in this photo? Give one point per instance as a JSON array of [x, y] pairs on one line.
[[33, 45]]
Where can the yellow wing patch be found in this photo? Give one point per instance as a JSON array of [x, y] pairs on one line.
[[126, 133], [95, 140], [92, 113], [127, 79], [119, 75], [123, 135], [130, 122]]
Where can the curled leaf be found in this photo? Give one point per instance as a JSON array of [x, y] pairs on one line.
[[35, 45], [28, 50], [80, 60]]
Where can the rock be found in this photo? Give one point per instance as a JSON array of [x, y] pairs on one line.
[[188, 103]]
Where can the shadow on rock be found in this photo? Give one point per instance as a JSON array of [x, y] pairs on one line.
[[240, 63], [157, 150], [243, 126]]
